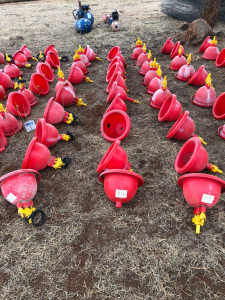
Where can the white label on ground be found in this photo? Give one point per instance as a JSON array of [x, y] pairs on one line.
[[207, 198], [11, 198], [121, 194], [29, 126]]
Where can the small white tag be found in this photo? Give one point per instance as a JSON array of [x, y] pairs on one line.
[[11, 198], [89, 15], [29, 126], [207, 198], [121, 194]]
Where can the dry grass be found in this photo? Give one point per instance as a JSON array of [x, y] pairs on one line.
[[87, 249]]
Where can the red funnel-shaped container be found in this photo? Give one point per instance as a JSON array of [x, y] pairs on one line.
[[5, 81], [45, 70], [154, 85], [18, 105], [219, 107], [39, 85], [76, 75], [3, 94], [168, 46], [55, 113], [81, 65], [175, 50], [211, 53], [202, 192], [20, 59], [115, 125], [114, 69], [199, 77], [52, 49], [120, 185], [183, 128], [192, 157], [185, 72], [177, 62], [9, 124], [137, 51], [122, 59], [118, 78], [64, 83], [221, 131], [115, 90], [143, 57], [116, 59], [66, 96], [114, 158], [90, 53], [12, 71], [30, 96], [170, 110], [3, 141], [117, 103], [38, 156], [26, 52], [84, 59], [205, 45], [205, 96], [113, 52], [47, 134], [220, 60], [20, 187], [145, 68], [158, 98], [148, 77], [2, 59], [53, 60]]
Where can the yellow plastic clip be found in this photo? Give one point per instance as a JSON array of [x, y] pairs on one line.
[[189, 59], [66, 137], [7, 58], [159, 71], [69, 119], [215, 169], [34, 58], [144, 48], [60, 73], [16, 85], [41, 56], [214, 41], [26, 212], [199, 220], [127, 91], [28, 66], [80, 50], [180, 50], [76, 56], [202, 141], [136, 101], [2, 109], [154, 64], [98, 58], [164, 83], [208, 80], [131, 170], [149, 55], [58, 164], [139, 42], [80, 102], [88, 80], [59, 58]]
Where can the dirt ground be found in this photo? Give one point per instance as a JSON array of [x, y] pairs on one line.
[[88, 249]]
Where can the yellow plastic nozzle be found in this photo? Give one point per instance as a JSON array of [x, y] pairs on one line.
[[70, 118], [189, 59], [2, 109], [127, 91], [41, 56], [154, 64], [80, 50], [80, 102], [208, 80], [28, 66], [131, 170], [144, 48], [60, 73], [149, 55], [88, 80], [180, 50], [199, 220], [34, 58], [214, 41], [202, 141], [25, 212], [58, 164], [16, 85], [136, 101], [59, 58], [7, 58], [76, 56], [98, 58], [139, 42], [66, 137], [215, 169], [164, 83], [159, 71]]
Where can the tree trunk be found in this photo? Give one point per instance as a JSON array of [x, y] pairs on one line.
[[210, 11]]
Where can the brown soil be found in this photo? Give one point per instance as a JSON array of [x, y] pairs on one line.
[[88, 249]]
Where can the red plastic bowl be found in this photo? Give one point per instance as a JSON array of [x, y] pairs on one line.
[[175, 50], [170, 110], [113, 52], [218, 110], [168, 46], [220, 60], [199, 77]]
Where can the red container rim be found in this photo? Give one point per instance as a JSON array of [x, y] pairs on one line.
[[218, 117], [195, 75], [198, 104], [181, 78], [223, 62], [47, 107], [164, 46], [163, 118], [173, 52], [127, 172], [179, 122], [41, 122], [203, 44], [219, 132], [113, 103], [108, 156], [27, 154]]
